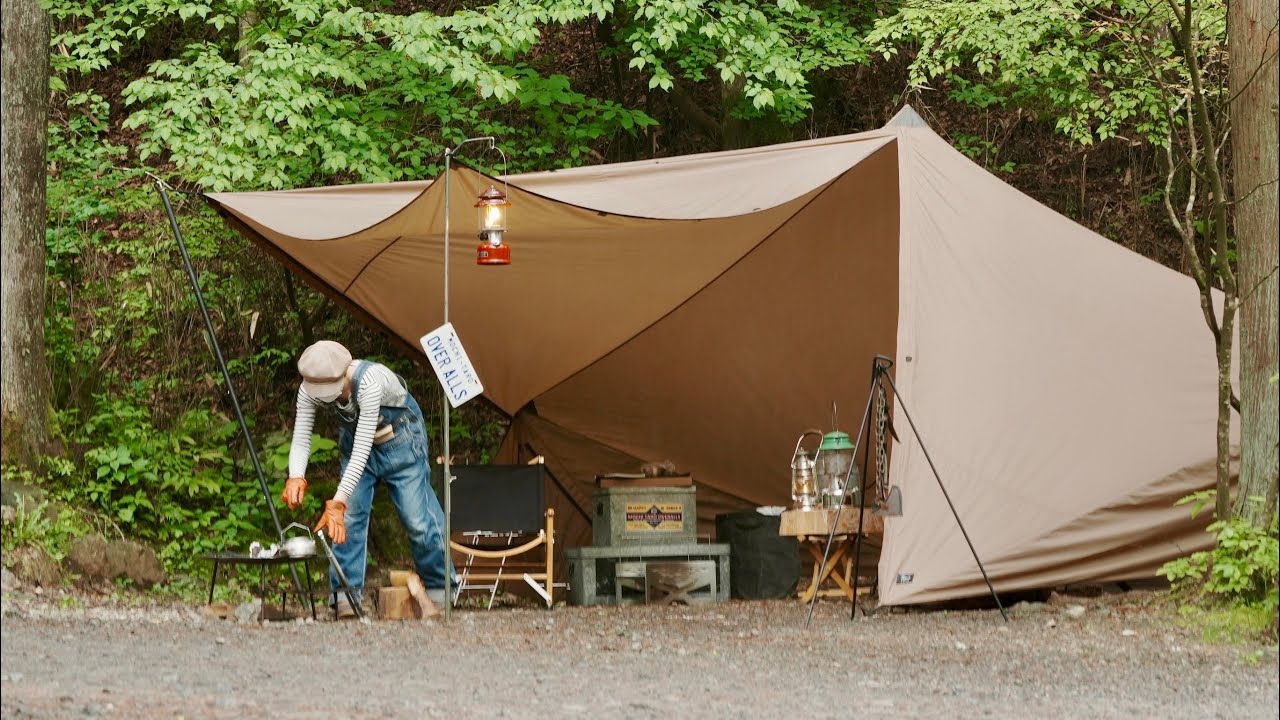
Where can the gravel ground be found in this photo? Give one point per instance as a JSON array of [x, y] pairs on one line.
[[1077, 656]]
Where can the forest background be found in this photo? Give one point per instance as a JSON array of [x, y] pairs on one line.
[[1151, 122]]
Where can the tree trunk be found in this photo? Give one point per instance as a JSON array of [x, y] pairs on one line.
[[246, 23], [1252, 28], [24, 117], [1207, 128]]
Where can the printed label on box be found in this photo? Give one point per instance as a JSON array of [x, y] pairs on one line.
[[655, 517]]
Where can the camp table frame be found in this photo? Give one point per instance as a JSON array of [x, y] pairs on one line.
[[811, 528], [307, 600]]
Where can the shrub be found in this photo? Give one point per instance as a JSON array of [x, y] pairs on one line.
[[39, 523], [1241, 570]]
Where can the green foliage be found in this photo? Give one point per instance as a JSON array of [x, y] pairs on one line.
[[39, 523], [1242, 568], [768, 49], [176, 487], [982, 150], [277, 452], [1232, 624], [117, 287], [89, 35], [311, 91], [323, 90], [1097, 68], [483, 437], [98, 307], [78, 148], [30, 526]]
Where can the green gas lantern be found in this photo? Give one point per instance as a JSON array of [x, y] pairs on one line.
[[832, 466]]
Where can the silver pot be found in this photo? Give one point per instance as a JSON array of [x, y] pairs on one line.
[[299, 546]]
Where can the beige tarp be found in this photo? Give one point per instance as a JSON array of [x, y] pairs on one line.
[[707, 309]]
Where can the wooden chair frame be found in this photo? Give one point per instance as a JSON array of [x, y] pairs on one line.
[[541, 582], [486, 524]]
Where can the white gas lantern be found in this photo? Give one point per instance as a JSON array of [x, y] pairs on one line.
[[804, 483]]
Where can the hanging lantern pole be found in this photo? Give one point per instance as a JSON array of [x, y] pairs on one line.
[[492, 225]]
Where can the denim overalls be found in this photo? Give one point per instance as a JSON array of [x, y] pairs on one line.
[[402, 463]]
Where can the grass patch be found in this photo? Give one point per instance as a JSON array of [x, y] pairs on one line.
[[1234, 624]]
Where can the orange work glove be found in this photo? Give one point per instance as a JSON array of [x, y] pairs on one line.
[[333, 521], [294, 490]]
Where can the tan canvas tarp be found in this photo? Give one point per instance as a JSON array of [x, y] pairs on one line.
[[1061, 384], [707, 309]]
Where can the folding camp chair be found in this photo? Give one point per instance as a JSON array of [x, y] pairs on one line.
[[499, 512]]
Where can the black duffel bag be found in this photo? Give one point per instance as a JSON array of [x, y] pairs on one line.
[[762, 564]]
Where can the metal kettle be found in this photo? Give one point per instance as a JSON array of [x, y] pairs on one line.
[[299, 546]]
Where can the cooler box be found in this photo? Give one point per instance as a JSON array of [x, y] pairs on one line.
[[644, 516]]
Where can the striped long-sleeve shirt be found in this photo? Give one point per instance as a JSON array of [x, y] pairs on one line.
[[379, 387]]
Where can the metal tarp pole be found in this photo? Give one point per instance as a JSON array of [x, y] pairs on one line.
[[447, 482], [445, 405]]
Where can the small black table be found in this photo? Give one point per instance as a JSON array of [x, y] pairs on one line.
[[244, 559]]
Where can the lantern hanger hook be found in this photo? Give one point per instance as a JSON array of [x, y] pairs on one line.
[[491, 143]]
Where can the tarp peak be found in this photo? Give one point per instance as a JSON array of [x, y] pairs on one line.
[[907, 117]]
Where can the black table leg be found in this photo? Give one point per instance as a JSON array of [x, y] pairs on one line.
[[311, 596], [213, 581]]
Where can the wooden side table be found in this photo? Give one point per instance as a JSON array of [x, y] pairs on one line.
[[811, 528]]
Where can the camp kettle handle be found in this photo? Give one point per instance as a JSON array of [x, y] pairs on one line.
[[296, 525]]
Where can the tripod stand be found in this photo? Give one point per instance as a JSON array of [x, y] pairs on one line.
[[879, 376]]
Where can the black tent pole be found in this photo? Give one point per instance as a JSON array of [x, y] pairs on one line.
[[226, 376], [217, 352], [903, 407]]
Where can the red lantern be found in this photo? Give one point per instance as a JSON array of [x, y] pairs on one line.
[[492, 207]]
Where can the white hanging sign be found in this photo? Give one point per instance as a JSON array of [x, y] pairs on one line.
[[453, 367]]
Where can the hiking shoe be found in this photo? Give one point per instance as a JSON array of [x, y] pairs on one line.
[[437, 596], [342, 609]]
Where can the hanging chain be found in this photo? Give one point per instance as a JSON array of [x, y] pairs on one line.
[[882, 446]]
